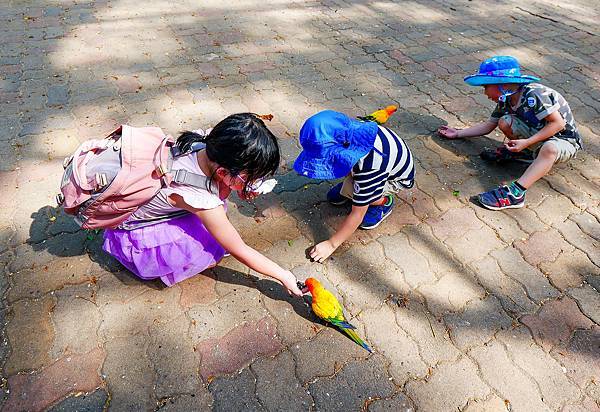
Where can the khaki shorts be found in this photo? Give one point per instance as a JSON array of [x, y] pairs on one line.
[[391, 187], [566, 150]]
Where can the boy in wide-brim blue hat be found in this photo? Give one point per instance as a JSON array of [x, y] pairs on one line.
[[536, 119], [374, 162]]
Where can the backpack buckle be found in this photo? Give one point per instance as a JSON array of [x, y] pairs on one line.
[[66, 161], [179, 176], [161, 170], [101, 180]]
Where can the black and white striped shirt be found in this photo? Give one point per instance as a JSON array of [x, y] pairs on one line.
[[389, 160]]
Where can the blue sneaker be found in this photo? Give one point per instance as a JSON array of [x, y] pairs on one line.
[[335, 197], [377, 214], [501, 198]]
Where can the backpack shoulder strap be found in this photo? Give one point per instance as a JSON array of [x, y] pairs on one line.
[[184, 177]]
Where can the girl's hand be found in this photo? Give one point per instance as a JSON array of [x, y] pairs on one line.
[[289, 281], [448, 132], [322, 251], [517, 145]]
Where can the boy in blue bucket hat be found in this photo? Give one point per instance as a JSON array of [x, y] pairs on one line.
[[536, 119], [374, 162]]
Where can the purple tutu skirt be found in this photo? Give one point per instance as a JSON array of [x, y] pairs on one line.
[[173, 250]]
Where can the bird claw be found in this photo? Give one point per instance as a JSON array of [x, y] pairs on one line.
[[300, 285]]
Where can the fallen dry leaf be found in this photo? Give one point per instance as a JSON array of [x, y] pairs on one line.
[[268, 117]]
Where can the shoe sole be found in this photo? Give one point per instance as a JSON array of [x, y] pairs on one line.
[[520, 205], [378, 223], [512, 159], [340, 203]]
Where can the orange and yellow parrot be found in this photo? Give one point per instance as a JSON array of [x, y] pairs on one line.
[[328, 308], [380, 116]]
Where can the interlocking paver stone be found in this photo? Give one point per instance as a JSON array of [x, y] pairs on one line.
[[395, 344], [512, 264], [588, 300], [277, 386], [492, 403], [72, 374], [399, 403], [451, 293], [479, 322], [569, 269], [455, 222], [582, 241], [175, 361], [555, 322], [71, 335], [30, 334], [473, 244], [429, 333], [501, 374], [580, 359], [548, 373], [124, 370], [91, 402], [450, 386], [414, 265], [542, 247], [325, 354], [237, 393], [238, 347], [353, 386]]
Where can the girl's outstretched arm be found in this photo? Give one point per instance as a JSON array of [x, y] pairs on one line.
[[216, 222]]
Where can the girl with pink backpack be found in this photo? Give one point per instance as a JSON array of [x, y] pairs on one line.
[[237, 153]]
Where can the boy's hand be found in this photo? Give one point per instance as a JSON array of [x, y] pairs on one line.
[[517, 145], [322, 251], [448, 132]]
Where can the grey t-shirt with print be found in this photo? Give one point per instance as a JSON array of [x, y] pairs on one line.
[[536, 103]]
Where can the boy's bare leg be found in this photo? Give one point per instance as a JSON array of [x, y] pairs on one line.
[[379, 202], [540, 166], [506, 128]]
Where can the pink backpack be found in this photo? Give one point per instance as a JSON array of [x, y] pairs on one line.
[[107, 180]]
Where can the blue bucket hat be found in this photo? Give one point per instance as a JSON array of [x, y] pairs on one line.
[[332, 144], [499, 70]]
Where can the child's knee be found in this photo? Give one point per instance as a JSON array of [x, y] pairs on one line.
[[549, 150], [505, 125]]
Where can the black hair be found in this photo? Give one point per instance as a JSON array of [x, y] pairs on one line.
[[239, 143]]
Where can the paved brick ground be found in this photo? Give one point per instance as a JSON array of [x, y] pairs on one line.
[[465, 308]]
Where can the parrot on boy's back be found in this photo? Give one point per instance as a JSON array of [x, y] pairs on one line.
[[380, 116], [328, 308]]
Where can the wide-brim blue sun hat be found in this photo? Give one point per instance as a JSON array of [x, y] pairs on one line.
[[499, 70], [332, 144]]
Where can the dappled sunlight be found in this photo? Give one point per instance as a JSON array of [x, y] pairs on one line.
[[455, 281], [412, 11]]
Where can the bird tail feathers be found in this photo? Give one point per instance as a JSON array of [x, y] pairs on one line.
[[354, 336]]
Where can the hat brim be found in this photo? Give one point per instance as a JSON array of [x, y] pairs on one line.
[[483, 80], [332, 165]]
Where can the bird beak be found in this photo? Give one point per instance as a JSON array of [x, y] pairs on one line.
[[302, 287]]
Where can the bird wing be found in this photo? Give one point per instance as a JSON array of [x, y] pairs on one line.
[[327, 307], [368, 118]]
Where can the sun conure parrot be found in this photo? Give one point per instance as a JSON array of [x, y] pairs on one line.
[[327, 307], [379, 116]]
